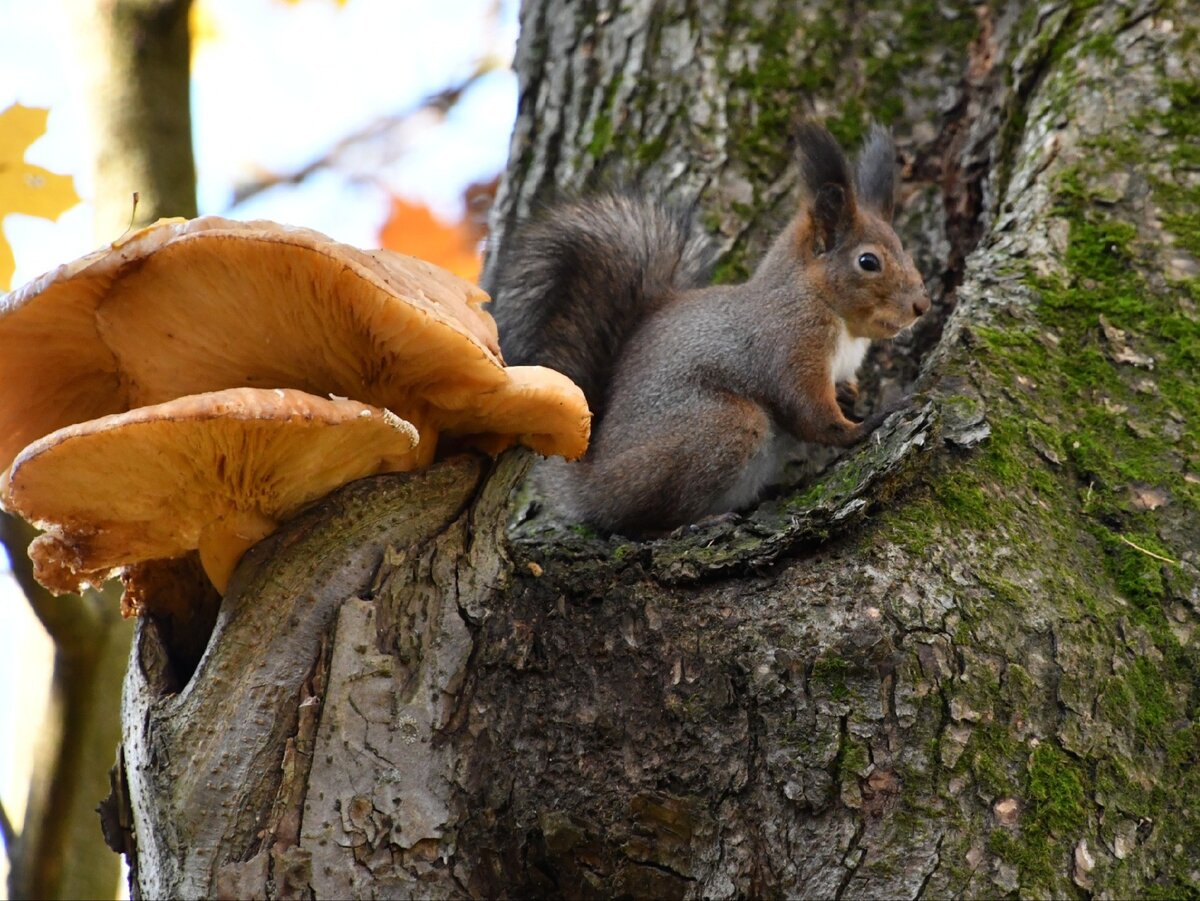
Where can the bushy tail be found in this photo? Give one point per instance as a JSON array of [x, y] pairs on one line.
[[575, 283]]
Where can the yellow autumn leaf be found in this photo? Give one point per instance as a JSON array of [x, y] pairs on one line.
[[202, 25], [24, 187]]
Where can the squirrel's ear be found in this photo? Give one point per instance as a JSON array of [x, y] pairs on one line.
[[832, 212], [825, 181], [876, 172]]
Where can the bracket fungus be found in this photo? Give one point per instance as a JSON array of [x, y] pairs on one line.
[[189, 306], [215, 472], [168, 389]]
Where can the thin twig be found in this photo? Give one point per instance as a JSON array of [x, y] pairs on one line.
[[438, 103], [1148, 553]]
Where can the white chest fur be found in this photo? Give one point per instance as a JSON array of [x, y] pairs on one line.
[[847, 356]]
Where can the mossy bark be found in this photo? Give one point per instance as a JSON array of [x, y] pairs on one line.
[[961, 662]]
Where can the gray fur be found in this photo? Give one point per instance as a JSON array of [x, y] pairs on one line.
[[822, 160], [612, 254], [699, 393]]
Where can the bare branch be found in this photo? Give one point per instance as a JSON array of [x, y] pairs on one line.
[[438, 104]]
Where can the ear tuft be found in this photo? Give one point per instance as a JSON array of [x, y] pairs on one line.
[[826, 183], [822, 161], [830, 216], [876, 172]]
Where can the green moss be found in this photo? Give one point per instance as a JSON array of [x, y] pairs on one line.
[[994, 757], [1071, 410], [1154, 709], [602, 132], [854, 758], [602, 123], [1053, 818], [1066, 364], [831, 673], [1183, 747], [651, 150], [804, 57], [1054, 788], [1137, 575], [733, 269], [1063, 362], [762, 100], [621, 551], [1182, 120], [964, 501], [1102, 46], [1019, 691], [991, 774]]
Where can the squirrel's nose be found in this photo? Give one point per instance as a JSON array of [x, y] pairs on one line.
[[921, 304]]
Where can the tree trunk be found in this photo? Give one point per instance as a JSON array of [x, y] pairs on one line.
[[963, 661], [59, 852], [138, 54]]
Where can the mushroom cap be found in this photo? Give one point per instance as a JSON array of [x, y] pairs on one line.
[[54, 368], [216, 471], [532, 407], [190, 306]]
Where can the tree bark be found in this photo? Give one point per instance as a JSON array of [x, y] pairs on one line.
[[962, 661], [138, 54]]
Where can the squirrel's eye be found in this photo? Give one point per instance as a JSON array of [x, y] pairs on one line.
[[868, 262]]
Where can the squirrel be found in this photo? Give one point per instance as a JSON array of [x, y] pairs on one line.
[[699, 393]]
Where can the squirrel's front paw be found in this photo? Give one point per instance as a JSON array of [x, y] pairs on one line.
[[847, 396]]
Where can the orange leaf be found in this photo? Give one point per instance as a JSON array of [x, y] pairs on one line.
[[412, 228]]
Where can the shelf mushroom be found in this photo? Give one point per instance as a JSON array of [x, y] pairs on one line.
[[185, 307], [216, 471]]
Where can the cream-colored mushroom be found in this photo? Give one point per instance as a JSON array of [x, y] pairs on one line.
[[216, 471]]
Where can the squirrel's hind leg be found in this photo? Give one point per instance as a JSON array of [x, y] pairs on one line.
[[710, 456]]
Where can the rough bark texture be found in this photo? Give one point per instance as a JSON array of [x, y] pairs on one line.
[[963, 662]]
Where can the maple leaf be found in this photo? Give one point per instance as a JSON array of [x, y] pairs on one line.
[[24, 187], [412, 228]]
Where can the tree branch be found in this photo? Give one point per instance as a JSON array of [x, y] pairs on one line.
[[439, 104]]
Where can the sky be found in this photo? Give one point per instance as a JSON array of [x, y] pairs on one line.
[[274, 87]]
